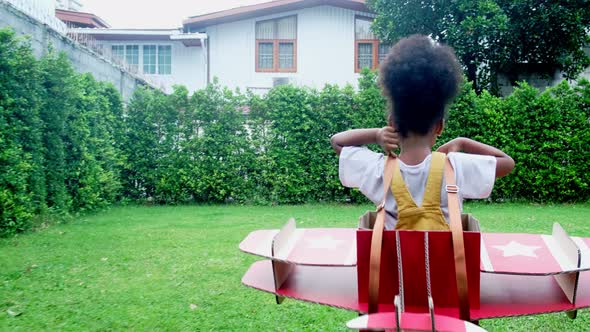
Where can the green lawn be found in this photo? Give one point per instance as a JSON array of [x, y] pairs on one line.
[[179, 268]]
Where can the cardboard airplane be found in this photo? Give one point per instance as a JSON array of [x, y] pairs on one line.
[[508, 274]]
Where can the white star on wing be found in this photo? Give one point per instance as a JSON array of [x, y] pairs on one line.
[[324, 242], [517, 249]]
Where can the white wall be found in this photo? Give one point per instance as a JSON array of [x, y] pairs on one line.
[[325, 50], [74, 5], [41, 10], [83, 59], [188, 64]]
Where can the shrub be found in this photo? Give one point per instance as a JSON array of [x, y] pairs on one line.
[[21, 176], [280, 151], [67, 144], [57, 136]]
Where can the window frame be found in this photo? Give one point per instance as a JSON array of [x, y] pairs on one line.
[[374, 42], [158, 59], [156, 63], [275, 50], [149, 55], [133, 66], [122, 48]]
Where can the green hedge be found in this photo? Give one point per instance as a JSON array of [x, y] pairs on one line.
[[57, 134], [67, 144], [280, 151], [547, 134]]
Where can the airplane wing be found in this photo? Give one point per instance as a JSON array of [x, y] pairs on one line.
[[504, 253], [314, 246], [531, 254], [502, 295]]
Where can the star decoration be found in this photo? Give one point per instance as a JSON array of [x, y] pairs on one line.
[[517, 249], [324, 242]]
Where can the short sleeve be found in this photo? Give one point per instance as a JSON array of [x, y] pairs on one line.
[[362, 168], [475, 174]]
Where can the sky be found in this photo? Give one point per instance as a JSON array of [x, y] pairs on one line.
[[156, 14]]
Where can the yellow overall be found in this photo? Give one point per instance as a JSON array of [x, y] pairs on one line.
[[429, 216]]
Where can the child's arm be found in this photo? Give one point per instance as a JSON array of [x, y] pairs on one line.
[[504, 163], [386, 137]]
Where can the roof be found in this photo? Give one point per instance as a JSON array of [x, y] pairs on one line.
[[267, 8], [188, 39], [80, 19]]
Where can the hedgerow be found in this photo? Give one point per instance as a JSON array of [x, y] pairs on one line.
[[57, 137], [547, 134], [68, 145], [280, 153]]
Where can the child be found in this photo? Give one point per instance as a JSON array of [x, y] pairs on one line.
[[420, 78]]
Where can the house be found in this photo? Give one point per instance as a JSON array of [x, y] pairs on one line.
[[164, 57], [76, 19], [302, 42]]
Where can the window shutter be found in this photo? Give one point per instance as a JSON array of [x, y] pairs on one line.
[[287, 28], [265, 30], [363, 29]]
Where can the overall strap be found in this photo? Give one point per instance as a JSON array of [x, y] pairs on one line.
[[400, 192], [377, 238], [434, 182], [458, 242]]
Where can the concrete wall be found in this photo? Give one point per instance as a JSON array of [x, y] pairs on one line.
[[188, 64], [325, 50], [83, 60], [536, 78], [541, 81]]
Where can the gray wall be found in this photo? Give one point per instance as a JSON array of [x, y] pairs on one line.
[[538, 78], [83, 59]]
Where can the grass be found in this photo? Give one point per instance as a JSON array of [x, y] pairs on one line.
[[179, 269]]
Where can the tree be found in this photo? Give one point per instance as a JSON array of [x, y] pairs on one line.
[[494, 35]]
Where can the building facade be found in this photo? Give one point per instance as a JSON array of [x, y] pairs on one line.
[[301, 42], [308, 43], [163, 57]]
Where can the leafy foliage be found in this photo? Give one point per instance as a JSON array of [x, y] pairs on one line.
[[57, 136], [20, 192], [68, 145], [280, 151], [493, 35], [546, 134]]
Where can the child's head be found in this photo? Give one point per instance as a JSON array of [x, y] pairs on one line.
[[419, 77]]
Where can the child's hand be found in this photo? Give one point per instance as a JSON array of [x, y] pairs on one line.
[[388, 139]]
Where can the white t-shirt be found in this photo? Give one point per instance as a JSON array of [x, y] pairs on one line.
[[362, 168]]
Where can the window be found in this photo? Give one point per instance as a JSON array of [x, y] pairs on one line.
[[118, 51], [128, 54], [157, 59], [383, 51], [132, 56], [276, 45], [149, 59], [368, 52], [164, 60]]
